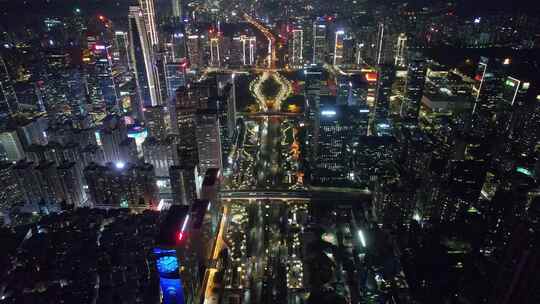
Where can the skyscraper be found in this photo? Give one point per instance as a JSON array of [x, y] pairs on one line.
[[319, 42], [122, 185], [208, 141], [143, 63], [8, 98], [401, 49], [297, 54], [149, 16], [177, 9], [338, 47], [414, 85], [183, 184], [385, 79]]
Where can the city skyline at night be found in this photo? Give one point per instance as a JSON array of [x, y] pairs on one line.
[[269, 151]]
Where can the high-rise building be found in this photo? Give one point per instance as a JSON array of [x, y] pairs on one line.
[[340, 127], [155, 121], [149, 15], [11, 148], [177, 9], [161, 154], [183, 184], [71, 184], [208, 141], [401, 50], [187, 140], [11, 191], [122, 185], [8, 98], [112, 133], [414, 85], [195, 51], [121, 49], [338, 47], [297, 54], [175, 77], [386, 75], [319, 42], [143, 62], [215, 49]]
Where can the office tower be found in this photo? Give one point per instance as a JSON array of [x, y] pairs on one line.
[[111, 134], [183, 184], [170, 252], [338, 47], [147, 8], [175, 77], [208, 141], [414, 85], [401, 49], [8, 98], [155, 121], [161, 154], [339, 129], [386, 75], [319, 42], [121, 185], [380, 44], [11, 191], [177, 48], [313, 96], [297, 55], [215, 49], [71, 184], [177, 9], [465, 181], [195, 51], [103, 74], [490, 75], [121, 49], [187, 140], [11, 148], [143, 63]]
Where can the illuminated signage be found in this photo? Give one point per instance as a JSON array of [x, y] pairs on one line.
[[328, 113], [524, 171]]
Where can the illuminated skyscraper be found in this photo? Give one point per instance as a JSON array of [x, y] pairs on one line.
[[338, 47], [385, 78], [121, 50], [401, 45], [414, 86], [319, 42], [122, 185], [11, 191], [8, 98], [177, 46], [380, 44], [141, 57], [149, 16], [297, 55], [195, 52], [177, 10], [175, 77], [183, 184], [215, 50], [208, 141]]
